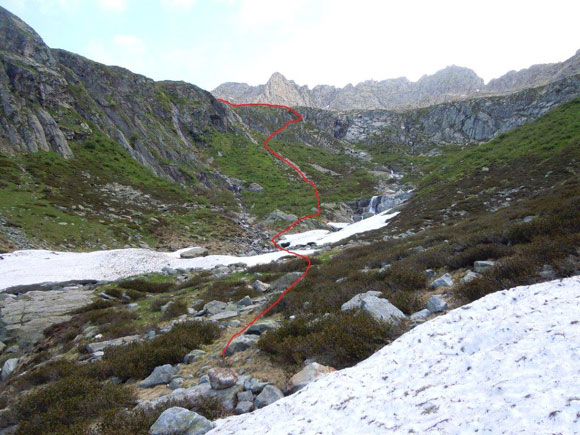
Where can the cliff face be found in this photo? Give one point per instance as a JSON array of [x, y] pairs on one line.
[[450, 84]]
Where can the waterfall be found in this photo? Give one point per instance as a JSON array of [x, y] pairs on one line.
[[373, 204]]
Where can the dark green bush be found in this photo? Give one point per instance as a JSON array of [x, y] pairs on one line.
[[401, 278], [339, 340], [156, 304], [486, 251], [406, 301], [145, 286], [175, 309]]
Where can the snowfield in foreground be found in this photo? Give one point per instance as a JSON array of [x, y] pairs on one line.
[[508, 363], [39, 266]]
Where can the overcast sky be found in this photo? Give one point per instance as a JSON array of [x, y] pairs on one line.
[[208, 42]]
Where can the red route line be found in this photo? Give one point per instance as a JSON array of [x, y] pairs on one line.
[[296, 222]]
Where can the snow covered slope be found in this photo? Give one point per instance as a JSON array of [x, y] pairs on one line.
[[508, 363]]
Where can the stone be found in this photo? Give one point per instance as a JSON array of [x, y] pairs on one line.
[[102, 345], [194, 252], [214, 307], [193, 356], [482, 266], [2, 346], [176, 383], [203, 380], [177, 421], [132, 306], [269, 395], [244, 407], [430, 273], [260, 286], [245, 301], [379, 308], [306, 375], [241, 343], [159, 375], [548, 272], [436, 304], [223, 315], [442, 281], [284, 282], [245, 396], [470, 276], [420, 314], [222, 378], [260, 328], [9, 367]]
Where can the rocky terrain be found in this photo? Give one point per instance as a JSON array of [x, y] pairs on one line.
[[450, 84]]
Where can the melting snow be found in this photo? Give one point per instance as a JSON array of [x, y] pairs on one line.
[[508, 363]]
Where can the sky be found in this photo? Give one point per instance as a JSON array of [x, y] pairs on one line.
[[335, 42]]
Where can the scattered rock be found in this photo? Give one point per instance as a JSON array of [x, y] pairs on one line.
[[379, 308], [245, 396], [204, 380], [102, 345], [442, 281], [222, 378], [241, 343], [177, 421], [548, 272], [284, 282], [244, 407], [436, 304], [260, 286], [245, 301], [260, 328], [420, 314], [430, 273], [269, 395], [176, 383], [214, 307], [306, 375], [193, 356], [160, 375], [482, 266], [470, 276], [254, 385], [194, 253], [9, 367], [223, 315]]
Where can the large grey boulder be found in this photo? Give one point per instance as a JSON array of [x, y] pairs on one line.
[[223, 315], [222, 378], [178, 421], [102, 345], [442, 281], [194, 253], [243, 407], [306, 375], [284, 282], [436, 304], [241, 343], [482, 266], [214, 307], [469, 276], [269, 395], [260, 328], [260, 286], [420, 314], [159, 375], [9, 367], [379, 308], [193, 356]]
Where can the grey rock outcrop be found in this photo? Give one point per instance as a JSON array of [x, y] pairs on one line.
[[241, 343], [482, 266], [436, 304], [269, 395], [9, 366], [160, 375], [178, 421], [443, 281], [306, 375], [194, 253], [379, 308], [282, 283], [222, 378]]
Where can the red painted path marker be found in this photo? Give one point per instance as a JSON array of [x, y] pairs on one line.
[[293, 166]]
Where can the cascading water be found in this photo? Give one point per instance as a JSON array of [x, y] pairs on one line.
[[373, 204]]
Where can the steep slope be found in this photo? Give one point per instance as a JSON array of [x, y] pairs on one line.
[[449, 84]]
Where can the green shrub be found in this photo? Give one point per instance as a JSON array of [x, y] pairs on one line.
[[339, 340], [486, 251], [402, 278], [156, 304], [145, 286], [175, 309], [44, 373], [224, 290], [135, 295], [406, 301]]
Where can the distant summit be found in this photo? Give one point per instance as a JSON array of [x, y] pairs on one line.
[[449, 84]]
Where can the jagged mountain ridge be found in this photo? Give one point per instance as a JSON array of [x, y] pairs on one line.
[[449, 84]]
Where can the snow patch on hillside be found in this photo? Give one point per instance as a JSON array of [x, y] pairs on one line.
[[507, 363]]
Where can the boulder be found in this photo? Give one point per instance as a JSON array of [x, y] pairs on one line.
[[436, 304], [159, 375], [223, 315], [244, 407], [442, 281], [254, 385], [177, 421], [260, 286], [284, 282], [378, 308], [193, 356], [245, 301], [245, 396], [176, 383], [420, 314], [214, 307], [194, 253], [241, 343], [9, 367], [430, 273], [269, 395], [260, 328], [482, 266], [222, 378], [306, 375], [469, 276], [548, 272], [102, 345]]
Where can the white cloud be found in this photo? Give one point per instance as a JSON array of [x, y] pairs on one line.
[[177, 5], [130, 43], [117, 6]]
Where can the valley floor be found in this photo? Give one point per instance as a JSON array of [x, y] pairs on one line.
[[507, 363], [38, 266]]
